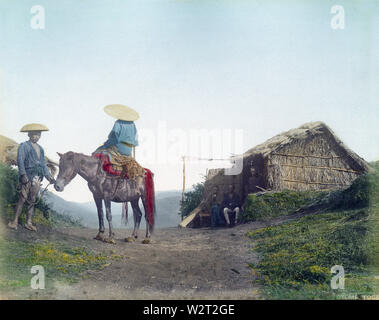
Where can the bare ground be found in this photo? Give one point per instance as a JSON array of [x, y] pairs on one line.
[[177, 264]]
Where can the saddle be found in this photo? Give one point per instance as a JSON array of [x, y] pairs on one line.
[[117, 164]]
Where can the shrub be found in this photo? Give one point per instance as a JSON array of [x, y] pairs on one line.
[[192, 199]]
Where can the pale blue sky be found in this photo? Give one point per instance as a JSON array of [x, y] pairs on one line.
[[260, 66]]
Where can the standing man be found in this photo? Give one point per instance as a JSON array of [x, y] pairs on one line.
[[231, 204], [31, 168]]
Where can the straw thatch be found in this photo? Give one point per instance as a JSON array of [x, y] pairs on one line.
[[310, 157], [8, 154]]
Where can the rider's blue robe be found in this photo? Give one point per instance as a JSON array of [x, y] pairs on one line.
[[122, 132]]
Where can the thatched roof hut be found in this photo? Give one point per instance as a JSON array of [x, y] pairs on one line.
[[310, 157]]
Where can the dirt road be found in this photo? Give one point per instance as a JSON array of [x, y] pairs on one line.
[[178, 264]]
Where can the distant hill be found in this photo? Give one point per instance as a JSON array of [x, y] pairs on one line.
[[167, 205], [87, 217]]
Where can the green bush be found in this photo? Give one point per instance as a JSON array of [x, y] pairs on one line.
[[8, 184], [361, 193], [192, 199]]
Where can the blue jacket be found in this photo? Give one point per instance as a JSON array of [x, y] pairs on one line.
[[28, 162], [122, 131]]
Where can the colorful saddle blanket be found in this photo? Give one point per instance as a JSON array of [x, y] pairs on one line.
[[117, 164]]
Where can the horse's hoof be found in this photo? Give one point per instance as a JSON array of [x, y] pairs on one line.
[[109, 240], [129, 239], [99, 237], [146, 241]]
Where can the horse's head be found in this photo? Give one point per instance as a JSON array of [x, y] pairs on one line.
[[67, 170]]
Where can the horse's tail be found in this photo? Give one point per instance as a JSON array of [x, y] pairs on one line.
[[124, 213], [150, 198]]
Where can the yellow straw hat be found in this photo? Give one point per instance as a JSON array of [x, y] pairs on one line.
[[121, 112], [34, 127]]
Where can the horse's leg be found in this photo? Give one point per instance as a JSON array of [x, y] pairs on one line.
[[148, 226], [99, 205], [137, 214], [109, 218]]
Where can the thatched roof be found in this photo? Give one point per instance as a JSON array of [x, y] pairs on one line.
[[305, 131]]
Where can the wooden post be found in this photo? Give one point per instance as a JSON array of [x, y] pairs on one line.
[[184, 184], [134, 152]]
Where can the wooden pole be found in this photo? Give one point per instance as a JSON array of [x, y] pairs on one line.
[[184, 184], [134, 152]]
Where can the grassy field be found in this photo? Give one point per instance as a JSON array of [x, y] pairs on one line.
[[62, 261], [296, 257]]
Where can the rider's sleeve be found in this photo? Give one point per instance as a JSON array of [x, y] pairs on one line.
[[21, 159]]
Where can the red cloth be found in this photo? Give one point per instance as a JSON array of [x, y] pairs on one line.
[[150, 197], [107, 166]]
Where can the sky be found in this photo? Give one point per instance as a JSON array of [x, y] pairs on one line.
[[239, 71]]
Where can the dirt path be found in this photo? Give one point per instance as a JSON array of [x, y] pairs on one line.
[[178, 264]]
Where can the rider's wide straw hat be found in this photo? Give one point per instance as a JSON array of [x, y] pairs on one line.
[[34, 127], [121, 112]]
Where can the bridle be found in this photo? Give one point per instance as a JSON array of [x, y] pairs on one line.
[[67, 178]]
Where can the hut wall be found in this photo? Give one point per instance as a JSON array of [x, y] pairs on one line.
[[309, 164], [253, 176], [221, 181]]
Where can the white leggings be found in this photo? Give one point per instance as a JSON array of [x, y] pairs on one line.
[[227, 211]]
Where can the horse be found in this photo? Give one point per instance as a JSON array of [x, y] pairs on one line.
[[108, 188]]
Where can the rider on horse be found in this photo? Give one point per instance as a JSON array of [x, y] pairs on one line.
[[115, 159], [116, 152]]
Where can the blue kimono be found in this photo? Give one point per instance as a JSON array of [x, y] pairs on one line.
[[28, 162], [123, 136]]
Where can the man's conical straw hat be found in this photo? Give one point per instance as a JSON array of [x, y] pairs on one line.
[[121, 112], [34, 127]]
